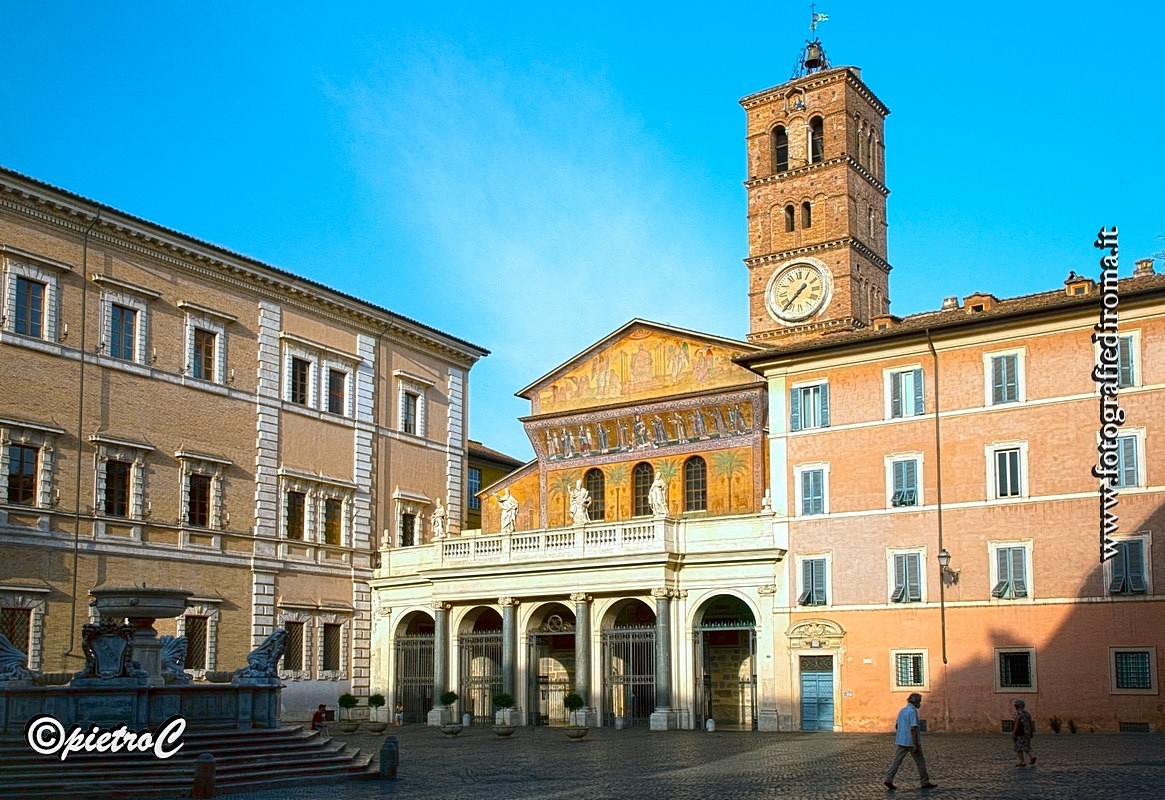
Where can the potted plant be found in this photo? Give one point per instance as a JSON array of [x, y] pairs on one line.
[[573, 702], [376, 701], [504, 716], [347, 702], [449, 726]]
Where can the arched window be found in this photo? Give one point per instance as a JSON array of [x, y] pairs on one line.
[[806, 215], [816, 140], [780, 149], [869, 149], [870, 220], [641, 479], [790, 218], [597, 486], [695, 484]]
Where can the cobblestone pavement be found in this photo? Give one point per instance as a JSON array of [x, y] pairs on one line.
[[542, 763]]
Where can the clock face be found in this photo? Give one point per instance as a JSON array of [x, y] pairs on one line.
[[798, 292]]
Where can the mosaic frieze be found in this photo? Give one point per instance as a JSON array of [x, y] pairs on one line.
[[642, 366]]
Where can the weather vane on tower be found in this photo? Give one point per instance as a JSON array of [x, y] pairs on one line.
[[812, 58]]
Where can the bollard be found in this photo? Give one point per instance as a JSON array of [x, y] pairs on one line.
[[203, 776], [389, 757], [466, 719], [710, 725]]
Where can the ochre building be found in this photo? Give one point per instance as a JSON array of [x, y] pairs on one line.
[[176, 415]]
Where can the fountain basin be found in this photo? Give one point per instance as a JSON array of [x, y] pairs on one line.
[[134, 602]]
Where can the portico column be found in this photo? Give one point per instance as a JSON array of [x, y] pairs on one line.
[[440, 660], [582, 649], [663, 718], [509, 642]]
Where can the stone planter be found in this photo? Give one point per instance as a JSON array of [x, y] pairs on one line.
[[450, 729], [376, 727], [348, 726], [576, 732], [504, 731]]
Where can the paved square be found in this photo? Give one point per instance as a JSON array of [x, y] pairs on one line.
[[543, 763]]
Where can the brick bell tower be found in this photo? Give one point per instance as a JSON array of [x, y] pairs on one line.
[[816, 203]]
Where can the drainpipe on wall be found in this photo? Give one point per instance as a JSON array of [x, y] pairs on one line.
[[938, 457], [80, 427]]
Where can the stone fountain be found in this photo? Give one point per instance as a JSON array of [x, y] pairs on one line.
[[134, 677], [141, 606]]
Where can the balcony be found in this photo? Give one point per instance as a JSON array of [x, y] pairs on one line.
[[593, 541]]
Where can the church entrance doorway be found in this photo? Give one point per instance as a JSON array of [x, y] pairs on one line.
[[552, 664], [629, 665]]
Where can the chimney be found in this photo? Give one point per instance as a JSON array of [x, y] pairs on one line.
[[1144, 268], [950, 304]]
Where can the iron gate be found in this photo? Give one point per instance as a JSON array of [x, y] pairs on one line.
[[414, 675], [628, 674], [481, 674], [713, 685], [548, 688]]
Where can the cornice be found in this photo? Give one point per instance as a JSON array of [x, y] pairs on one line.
[[175, 250], [814, 81], [849, 241], [797, 172]]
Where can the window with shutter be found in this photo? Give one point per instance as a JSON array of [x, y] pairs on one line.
[[906, 393], [1127, 373], [1010, 573], [1126, 462], [812, 582], [907, 578], [813, 492], [1128, 568], [905, 489], [1004, 379], [809, 407]]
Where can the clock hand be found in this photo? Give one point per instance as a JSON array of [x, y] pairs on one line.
[[797, 293]]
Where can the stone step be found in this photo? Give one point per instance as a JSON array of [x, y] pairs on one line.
[[251, 759]]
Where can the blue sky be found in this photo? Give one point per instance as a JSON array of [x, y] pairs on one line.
[[532, 176]]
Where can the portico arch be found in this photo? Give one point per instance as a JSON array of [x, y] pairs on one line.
[[627, 632], [724, 635], [479, 647], [413, 642], [551, 664]]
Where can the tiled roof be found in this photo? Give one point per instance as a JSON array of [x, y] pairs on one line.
[[481, 451]]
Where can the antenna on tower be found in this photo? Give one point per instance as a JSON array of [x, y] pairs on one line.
[[813, 58]]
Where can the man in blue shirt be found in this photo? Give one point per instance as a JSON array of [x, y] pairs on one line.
[[908, 741]]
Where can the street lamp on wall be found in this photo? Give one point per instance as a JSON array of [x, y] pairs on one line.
[[950, 576]]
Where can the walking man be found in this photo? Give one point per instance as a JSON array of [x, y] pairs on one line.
[[908, 741]]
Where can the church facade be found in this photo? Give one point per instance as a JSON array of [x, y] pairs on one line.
[[797, 530]]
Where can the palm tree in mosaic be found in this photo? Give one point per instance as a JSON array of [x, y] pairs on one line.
[[729, 463], [617, 477], [561, 484]]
